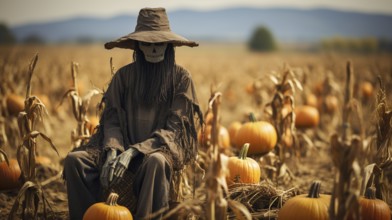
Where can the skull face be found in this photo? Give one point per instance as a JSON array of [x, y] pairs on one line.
[[153, 52]]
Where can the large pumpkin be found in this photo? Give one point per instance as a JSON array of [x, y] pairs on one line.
[[306, 206], [108, 210], [243, 169], [9, 175], [373, 208], [261, 136], [306, 116]]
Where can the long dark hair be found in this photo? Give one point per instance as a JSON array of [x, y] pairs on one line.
[[154, 81]]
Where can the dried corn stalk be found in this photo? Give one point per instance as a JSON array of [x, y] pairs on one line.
[[285, 89], [329, 117], [3, 156], [210, 201], [345, 151], [381, 167], [80, 109], [31, 195], [8, 124]]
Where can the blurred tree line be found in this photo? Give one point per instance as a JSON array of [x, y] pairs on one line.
[[7, 37], [357, 45]]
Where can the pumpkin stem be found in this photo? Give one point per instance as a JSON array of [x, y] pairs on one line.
[[244, 151], [314, 191], [370, 193], [112, 199], [252, 117]]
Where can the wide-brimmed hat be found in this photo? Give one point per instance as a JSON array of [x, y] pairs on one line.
[[152, 27]]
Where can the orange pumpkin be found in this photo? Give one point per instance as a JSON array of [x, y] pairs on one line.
[[250, 88], [306, 206], [311, 99], [108, 210], [243, 169], [15, 104], [306, 116], [223, 136], [373, 208], [9, 174], [331, 103], [261, 136], [367, 89]]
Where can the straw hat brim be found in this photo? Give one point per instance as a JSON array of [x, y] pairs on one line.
[[128, 41]]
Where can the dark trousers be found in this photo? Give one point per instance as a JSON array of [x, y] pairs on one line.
[[151, 184]]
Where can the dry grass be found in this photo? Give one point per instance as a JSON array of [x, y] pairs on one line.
[[233, 68]]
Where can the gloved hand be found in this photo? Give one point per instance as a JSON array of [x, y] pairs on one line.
[[108, 169], [121, 164]]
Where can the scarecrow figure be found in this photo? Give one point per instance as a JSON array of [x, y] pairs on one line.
[[148, 126]]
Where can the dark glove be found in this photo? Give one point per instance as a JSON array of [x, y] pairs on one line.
[[107, 169], [121, 164]]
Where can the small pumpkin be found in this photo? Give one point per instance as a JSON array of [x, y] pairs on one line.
[[330, 104], [261, 135], [15, 104], [306, 116], [9, 174], [223, 136], [306, 206], [108, 210], [243, 169], [367, 89], [250, 88], [311, 100], [373, 208]]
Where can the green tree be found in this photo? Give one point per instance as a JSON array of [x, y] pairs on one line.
[[6, 36], [262, 40]]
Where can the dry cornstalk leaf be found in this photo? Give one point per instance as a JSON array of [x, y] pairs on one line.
[[4, 157]]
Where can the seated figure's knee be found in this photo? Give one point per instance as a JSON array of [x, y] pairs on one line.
[[72, 160], [157, 160]]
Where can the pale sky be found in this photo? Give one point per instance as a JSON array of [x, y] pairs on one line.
[[17, 12]]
